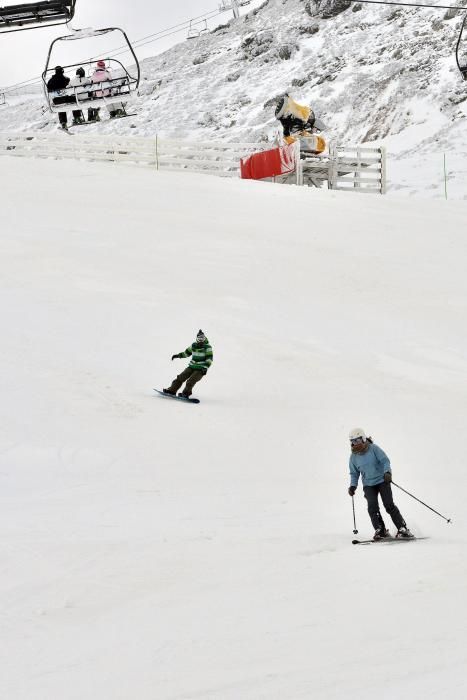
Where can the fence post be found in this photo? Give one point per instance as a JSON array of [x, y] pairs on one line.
[[298, 164], [382, 151], [156, 143], [357, 174], [332, 171]]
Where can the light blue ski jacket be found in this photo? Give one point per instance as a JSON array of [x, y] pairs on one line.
[[371, 465]]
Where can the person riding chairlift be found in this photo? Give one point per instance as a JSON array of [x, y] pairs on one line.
[[102, 75], [80, 81], [57, 82]]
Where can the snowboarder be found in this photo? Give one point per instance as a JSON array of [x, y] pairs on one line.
[[59, 81], [298, 122], [201, 353], [369, 461]]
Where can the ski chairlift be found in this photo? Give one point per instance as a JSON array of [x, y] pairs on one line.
[[461, 49], [34, 15], [2, 99], [226, 5], [194, 33], [120, 87]]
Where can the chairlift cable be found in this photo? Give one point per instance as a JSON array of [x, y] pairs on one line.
[[182, 25]]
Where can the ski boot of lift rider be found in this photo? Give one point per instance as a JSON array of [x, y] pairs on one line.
[[78, 118], [115, 114], [93, 115]]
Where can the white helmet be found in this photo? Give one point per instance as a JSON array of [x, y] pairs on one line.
[[357, 433]]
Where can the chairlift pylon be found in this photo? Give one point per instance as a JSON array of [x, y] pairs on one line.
[[120, 86], [461, 49], [36, 15]]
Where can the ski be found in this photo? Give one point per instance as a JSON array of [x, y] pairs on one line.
[[178, 398], [389, 540]]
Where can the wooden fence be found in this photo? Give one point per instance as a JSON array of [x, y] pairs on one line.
[[344, 168]]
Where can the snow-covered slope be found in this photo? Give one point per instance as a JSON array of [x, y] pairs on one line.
[[373, 73], [153, 549]]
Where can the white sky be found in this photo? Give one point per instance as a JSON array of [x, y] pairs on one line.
[[23, 54]]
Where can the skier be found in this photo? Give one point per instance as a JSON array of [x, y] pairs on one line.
[[298, 122], [80, 81], [369, 461], [201, 353], [57, 82]]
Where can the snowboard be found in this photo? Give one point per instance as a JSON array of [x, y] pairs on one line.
[[389, 540], [178, 398]]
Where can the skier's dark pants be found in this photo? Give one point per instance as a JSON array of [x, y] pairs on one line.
[[62, 117], [190, 376], [385, 491]]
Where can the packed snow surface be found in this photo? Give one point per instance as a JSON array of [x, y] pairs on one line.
[[155, 549]]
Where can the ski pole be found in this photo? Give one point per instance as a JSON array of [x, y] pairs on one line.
[[448, 520], [355, 531]]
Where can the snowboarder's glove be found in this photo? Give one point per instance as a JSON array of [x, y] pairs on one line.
[[175, 356], [352, 490], [387, 477]]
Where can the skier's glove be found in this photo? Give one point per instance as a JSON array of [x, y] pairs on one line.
[[387, 477], [352, 490], [175, 357]]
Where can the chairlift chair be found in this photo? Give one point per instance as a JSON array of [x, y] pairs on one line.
[[461, 49], [121, 87], [33, 15], [194, 33], [2, 99]]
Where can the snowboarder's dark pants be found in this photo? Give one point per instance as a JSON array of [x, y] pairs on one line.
[[385, 491], [190, 376]]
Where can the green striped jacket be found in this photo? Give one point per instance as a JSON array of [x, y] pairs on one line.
[[201, 355]]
